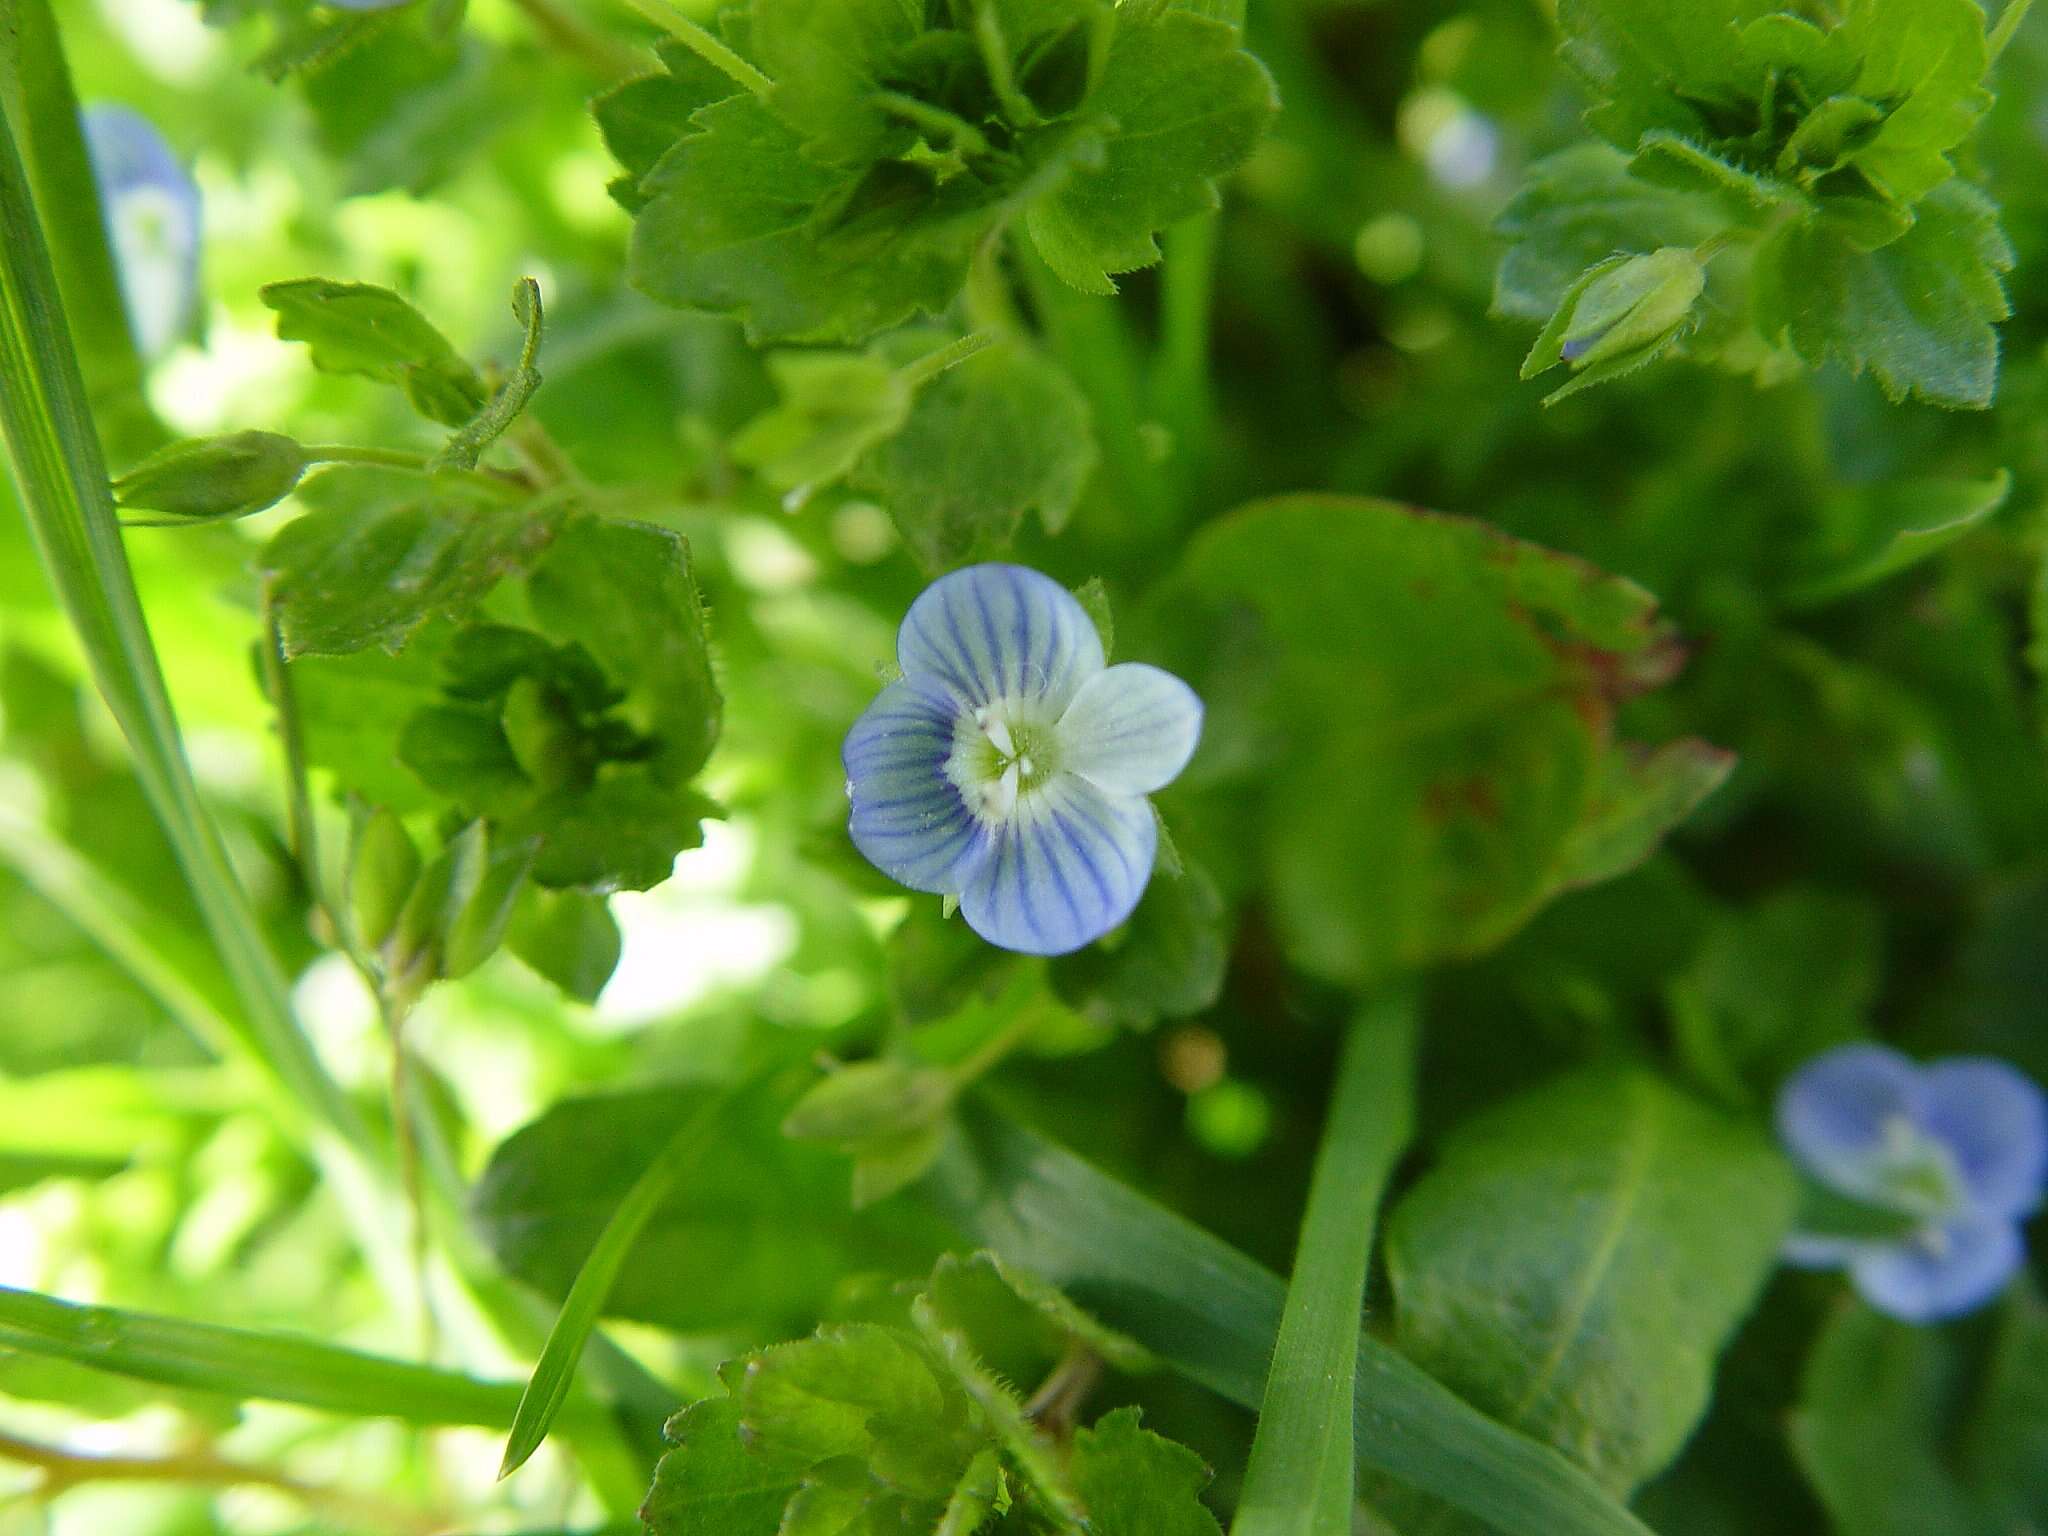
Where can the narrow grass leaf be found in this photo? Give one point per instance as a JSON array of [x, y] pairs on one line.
[[1300, 1480]]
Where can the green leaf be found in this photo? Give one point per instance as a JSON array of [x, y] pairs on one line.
[[248, 1364], [1908, 1430], [380, 552], [1918, 313], [1648, 791], [1168, 962], [712, 1484], [869, 1099], [570, 937], [1459, 746], [1926, 61], [1578, 208], [624, 591], [554, 1373], [1002, 433], [835, 406], [740, 221], [1134, 1483], [756, 1238], [642, 118], [1212, 1314], [358, 328], [1185, 104], [1632, 1226], [1300, 1479], [383, 864], [1870, 535], [479, 928], [833, 63], [855, 1390]]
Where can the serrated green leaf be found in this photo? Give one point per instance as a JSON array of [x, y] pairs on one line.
[[1134, 1483], [1926, 60], [380, 552], [358, 328], [1634, 1228], [998, 435], [625, 593], [1918, 313], [711, 1484], [833, 63], [1185, 104]]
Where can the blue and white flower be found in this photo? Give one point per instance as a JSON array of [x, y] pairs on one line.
[[1008, 767], [1957, 1149], [151, 205]]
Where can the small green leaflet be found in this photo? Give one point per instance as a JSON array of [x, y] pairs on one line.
[[362, 329], [1918, 313], [851, 193]]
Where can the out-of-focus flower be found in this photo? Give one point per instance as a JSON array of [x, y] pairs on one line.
[[1008, 767], [1956, 1150], [151, 206]]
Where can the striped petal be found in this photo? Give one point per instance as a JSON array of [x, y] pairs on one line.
[[1954, 1270], [152, 212], [1837, 1113], [1131, 729], [995, 631], [908, 817], [1994, 1120], [1066, 868]]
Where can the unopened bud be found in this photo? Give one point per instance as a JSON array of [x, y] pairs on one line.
[[1620, 315], [214, 477]]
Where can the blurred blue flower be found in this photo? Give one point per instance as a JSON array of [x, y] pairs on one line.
[[151, 207], [1009, 765], [1957, 1149]]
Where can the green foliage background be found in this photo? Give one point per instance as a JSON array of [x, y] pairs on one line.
[[1631, 750]]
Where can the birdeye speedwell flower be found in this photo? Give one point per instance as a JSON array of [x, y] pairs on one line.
[[1956, 1149], [1008, 766], [151, 207]]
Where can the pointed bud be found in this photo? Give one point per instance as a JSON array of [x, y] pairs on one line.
[[213, 477], [1621, 314]]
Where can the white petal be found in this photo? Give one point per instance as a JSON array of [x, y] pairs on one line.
[[908, 817], [1067, 868], [997, 631], [1131, 729]]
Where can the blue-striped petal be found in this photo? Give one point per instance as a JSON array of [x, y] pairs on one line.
[[1955, 1270], [1836, 1115], [1066, 868], [995, 631], [1994, 1121], [1131, 729], [151, 207], [908, 817]]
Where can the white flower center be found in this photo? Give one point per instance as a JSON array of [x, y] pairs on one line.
[[1002, 753]]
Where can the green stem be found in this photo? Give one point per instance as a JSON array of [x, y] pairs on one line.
[[1300, 1479], [923, 370], [704, 44], [64, 490], [401, 458], [1182, 374]]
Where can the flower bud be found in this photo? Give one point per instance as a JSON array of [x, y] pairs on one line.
[[214, 477], [1620, 314]]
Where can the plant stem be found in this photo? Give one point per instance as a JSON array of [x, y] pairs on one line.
[[1181, 374], [64, 1470], [1299, 1482], [609, 59], [923, 370], [702, 43], [401, 458]]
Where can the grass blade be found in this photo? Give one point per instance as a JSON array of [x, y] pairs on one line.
[[246, 1363], [1213, 1314], [555, 1371], [35, 85], [1300, 1481], [63, 483]]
